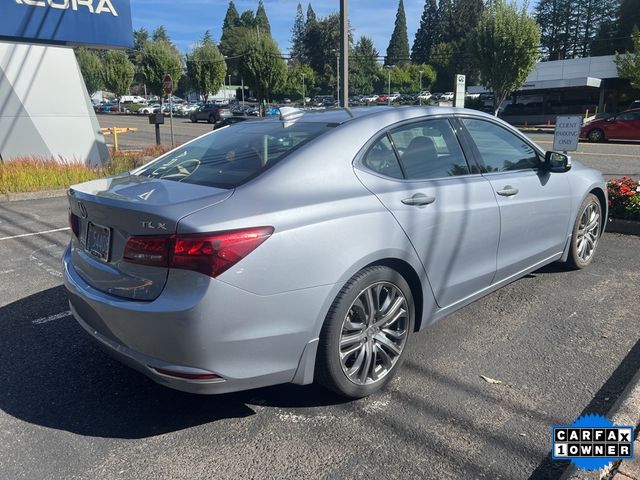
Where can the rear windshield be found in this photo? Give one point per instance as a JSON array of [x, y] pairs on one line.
[[231, 156]]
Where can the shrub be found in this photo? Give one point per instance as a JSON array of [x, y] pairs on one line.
[[624, 198]]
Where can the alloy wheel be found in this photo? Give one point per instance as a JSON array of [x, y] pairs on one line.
[[374, 333], [588, 232]]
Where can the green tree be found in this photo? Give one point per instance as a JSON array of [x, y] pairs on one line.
[[295, 87], [629, 63], [206, 67], [160, 33], [398, 49], [311, 16], [297, 37], [117, 73], [426, 36], [262, 66], [406, 78], [505, 43], [159, 58], [446, 21], [442, 58], [248, 20], [262, 21], [628, 20], [140, 38], [363, 67], [91, 68], [231, 21]]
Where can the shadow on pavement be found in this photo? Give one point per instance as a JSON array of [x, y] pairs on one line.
[[600, 404], [54, 375]]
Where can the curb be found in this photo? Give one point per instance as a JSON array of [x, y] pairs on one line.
[[619, 225], [626, 411], [16, 197]]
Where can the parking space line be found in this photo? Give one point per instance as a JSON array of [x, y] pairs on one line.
[[34, 234], [51, 318]]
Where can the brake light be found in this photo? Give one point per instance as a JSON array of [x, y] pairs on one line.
[[208, 253], [214, 253], [74, 223], [148, 250]]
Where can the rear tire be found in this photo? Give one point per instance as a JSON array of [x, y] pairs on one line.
[[596, 135], [193, 119], [586, 233], [212, 119], [364, 337]]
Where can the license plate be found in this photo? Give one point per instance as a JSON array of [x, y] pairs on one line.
[[98, 241]]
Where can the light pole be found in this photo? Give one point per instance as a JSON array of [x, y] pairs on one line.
[[338, 75], [389, 67], [304, 97], [242, 80], [229, 87], [419, 94]]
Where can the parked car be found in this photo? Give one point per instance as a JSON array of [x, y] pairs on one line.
[[149, 109], [635, 104], [112, 108], [132, 99], [210, 113], [370, 98], [383, 98], [424, 95], [436, 96], [394, 96], [315, 246], [447, 96], [623, 126]]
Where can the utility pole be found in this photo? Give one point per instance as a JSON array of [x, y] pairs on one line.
[[389, 67], [338, 77], [304, 96], [344, 49], [420, 93]]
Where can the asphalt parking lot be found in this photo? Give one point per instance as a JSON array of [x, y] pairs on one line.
[[614, 159], [562, 343]]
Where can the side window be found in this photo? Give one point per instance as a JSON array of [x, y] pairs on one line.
[[501, 150], [429, 149], [628, 116], [382, 159]]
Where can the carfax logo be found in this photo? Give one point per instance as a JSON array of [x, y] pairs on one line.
[[592, 442]]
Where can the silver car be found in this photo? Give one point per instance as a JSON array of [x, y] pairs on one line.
[[314, 245]]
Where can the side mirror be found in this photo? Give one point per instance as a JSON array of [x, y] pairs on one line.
[[557, 162], [610, 119]]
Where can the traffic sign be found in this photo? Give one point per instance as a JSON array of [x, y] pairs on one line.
[[167, 84], [567, 133]]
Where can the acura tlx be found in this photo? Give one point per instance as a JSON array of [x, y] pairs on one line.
[[314, 245]]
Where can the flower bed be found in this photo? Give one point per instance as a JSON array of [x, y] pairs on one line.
[[624, 198]]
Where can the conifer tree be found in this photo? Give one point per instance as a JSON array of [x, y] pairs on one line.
[[297, 37], [426, 36], [398, 49], [262, 21]]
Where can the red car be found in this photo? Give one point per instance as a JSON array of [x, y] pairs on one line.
[[623, 126]]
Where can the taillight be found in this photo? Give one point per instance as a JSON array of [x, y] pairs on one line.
[[208, 253], [214, 253], [74, 223], [148, 250]]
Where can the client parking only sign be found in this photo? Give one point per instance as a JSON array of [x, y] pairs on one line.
[[567, 133]]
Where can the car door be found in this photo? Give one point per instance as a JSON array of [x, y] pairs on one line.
[[622, 127], [535, 204], [420, 174]]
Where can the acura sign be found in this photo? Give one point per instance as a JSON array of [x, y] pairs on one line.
[[104, 23]]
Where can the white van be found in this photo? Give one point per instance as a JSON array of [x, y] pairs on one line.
[[132, 99]]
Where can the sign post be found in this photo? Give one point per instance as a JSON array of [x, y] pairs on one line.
[[167, 85], [460, 90], [567, 133]]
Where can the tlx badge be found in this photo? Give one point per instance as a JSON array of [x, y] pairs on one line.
[[154, 225], [101, 6]]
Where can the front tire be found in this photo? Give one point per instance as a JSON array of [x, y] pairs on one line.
[[596, 135], [586, 233], [364, 337]]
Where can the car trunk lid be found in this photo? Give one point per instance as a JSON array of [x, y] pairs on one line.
[[110, 211]]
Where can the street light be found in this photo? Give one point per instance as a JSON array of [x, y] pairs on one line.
[[389, 67], [420, 94], [229, 85], [304, 97]]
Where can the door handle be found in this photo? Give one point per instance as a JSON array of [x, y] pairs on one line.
[[419, 200], [508, 191]]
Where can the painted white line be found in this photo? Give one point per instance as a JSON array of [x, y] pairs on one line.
[[34, 234], [52, 318]]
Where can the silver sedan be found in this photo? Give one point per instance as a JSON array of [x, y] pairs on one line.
[[314, 245]]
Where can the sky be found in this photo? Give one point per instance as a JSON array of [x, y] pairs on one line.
[[187, 20]]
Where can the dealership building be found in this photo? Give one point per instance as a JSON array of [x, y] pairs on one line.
[[563, 87], [45, 110]]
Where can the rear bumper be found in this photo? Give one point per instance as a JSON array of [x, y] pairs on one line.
[[202, 325]]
